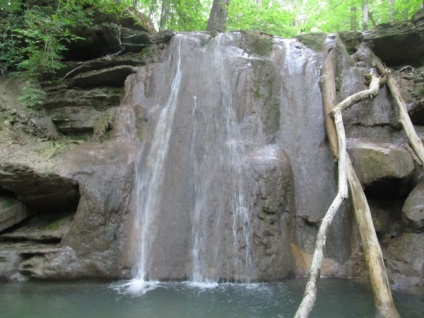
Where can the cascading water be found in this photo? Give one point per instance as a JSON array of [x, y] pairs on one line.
[[149, 178], [217, 149], [213, 182], [215, 165]]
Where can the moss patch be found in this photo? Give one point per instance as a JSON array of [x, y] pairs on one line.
[[314, 41], [257, 43], [8, 203]]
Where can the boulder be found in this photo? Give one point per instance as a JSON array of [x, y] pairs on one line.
[[405, 260], [413, 210], [382, 166]]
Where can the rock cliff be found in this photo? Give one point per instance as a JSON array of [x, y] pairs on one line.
[[68, 198]]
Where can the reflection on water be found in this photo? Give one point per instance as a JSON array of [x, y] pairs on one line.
[[336, 298]]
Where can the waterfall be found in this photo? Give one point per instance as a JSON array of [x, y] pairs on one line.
[[149, 177], [210, 206], [217, 150]]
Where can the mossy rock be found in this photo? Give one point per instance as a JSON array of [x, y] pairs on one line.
[[257, 43], [314, 41]]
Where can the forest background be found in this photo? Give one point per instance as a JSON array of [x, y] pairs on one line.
[[34, 34]]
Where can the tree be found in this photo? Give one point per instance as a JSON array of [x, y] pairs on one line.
[[365, 15], [218, 16]]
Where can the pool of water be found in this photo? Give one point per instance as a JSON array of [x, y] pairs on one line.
[[336, 298]]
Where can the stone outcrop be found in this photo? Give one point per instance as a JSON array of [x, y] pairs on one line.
[[383, 167], [272, 216], [12, 212], [398, 43]]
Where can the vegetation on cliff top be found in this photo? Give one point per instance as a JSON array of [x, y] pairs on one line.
[[34, 34]]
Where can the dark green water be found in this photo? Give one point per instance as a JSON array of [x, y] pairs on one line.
[[336, 298]]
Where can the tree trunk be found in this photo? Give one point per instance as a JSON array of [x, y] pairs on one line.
[[373, 256], [218, 16], [377, 275], [392, 10], [353, 22], [309, 296], [365, 15]]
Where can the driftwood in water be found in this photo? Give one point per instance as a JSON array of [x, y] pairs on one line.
[[373, 256]]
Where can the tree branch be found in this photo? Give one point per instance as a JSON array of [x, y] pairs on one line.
[[374, 259], [404, 118]]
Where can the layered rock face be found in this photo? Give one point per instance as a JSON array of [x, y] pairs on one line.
[[211, 163]]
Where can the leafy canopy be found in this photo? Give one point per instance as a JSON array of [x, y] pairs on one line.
[[34, 33]]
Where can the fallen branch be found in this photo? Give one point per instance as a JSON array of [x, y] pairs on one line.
[[309, 296], [374, 261], [377, 273], [404, 118]]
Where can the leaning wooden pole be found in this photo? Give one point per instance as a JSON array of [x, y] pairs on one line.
[[404, 119], [309, 296], [379, 282]]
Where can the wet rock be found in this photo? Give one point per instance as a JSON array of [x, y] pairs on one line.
[[52, 263], [99, 231], [405, 260], [413, 210], [110, 77], [272, 215], [378, 163]]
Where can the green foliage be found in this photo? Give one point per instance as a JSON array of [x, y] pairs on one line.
[[265, 16], [179, 15], [32, 94], [34, 34], [34, 37]]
